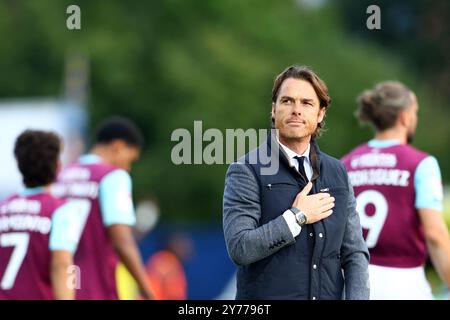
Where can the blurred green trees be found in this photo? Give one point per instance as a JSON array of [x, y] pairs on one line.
[[167, 63]]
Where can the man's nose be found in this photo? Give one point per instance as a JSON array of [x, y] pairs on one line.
[[296, 107]]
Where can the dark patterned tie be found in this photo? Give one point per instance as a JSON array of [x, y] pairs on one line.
[[301, 167]]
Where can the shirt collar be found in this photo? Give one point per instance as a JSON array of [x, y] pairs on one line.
[[292, 154], [374, 143], [32, 191], [90, 159]]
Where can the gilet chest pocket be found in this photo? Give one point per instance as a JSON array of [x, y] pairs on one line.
[[280, 185]]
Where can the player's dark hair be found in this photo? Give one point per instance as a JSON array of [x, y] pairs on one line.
[[37, 154], [118, 128], [307, 74], [381, 105]]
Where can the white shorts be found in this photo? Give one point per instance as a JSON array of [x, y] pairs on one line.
[[388, 283]]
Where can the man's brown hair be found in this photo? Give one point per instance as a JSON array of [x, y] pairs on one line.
[[306, 74], [381, 105], [37, 155]]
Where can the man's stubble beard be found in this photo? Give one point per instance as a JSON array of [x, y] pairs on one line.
[[292, 135]]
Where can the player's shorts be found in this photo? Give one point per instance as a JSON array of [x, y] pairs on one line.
[[387, 283]]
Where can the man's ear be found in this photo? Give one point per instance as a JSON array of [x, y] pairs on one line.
[[322, 113], [58, 166], [403, 118], [273, 110]]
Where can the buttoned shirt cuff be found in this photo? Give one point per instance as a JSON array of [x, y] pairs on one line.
[[289, 217]]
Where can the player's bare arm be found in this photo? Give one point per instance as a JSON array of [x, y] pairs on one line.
[[123, 242], [61, 260], [438, 241]]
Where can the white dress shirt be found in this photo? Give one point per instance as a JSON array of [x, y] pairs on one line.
[[294, 162], [288, 215]]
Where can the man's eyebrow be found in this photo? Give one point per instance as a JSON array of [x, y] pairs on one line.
[[286, 97], [303, 100]]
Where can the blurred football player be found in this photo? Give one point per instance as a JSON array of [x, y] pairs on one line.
[[399, 196], [37, 230], [100, 180]]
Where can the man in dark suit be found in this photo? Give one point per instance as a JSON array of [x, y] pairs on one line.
[[294, 234]]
